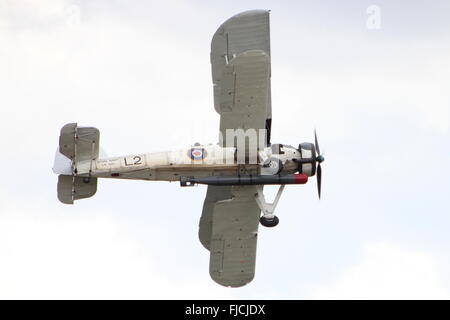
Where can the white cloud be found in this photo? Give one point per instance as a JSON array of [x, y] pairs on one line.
[[387, 271], [50, 256]]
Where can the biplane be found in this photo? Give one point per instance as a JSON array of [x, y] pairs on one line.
[[235, 170]]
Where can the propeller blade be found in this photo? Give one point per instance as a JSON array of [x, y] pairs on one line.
[[319, 178], [319, 159], [317, 142]]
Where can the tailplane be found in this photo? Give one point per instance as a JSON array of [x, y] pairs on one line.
[[78, 149]]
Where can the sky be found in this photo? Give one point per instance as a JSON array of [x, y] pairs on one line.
[[372, 77]]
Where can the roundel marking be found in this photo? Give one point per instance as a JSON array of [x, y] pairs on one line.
[[197, 153]]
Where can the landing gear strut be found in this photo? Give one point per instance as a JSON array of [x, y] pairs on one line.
[[268, 219]]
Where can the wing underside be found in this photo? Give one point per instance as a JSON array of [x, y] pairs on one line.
[[213, 195], [240, 61], [234, 232]]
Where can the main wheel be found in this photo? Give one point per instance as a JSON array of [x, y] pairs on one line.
[[269, 223]]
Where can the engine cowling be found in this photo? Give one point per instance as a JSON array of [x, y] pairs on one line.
[[307, 163]]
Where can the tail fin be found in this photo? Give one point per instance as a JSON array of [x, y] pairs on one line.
[[80, 147]]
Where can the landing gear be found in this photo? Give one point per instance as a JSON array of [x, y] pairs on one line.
[[268, 219], [269, 222]]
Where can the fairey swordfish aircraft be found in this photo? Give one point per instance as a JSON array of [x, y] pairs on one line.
[[235, 170]]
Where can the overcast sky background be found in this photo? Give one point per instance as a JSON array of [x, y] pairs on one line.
[[140, 72]]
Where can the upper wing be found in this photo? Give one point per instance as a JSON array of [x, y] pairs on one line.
[[240, 60], [233, 238]]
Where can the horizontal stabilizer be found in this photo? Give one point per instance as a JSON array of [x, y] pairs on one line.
[[78, 149], [72, 188], [79, 144]]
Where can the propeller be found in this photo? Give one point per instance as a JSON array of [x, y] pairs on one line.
[[319, 159]]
